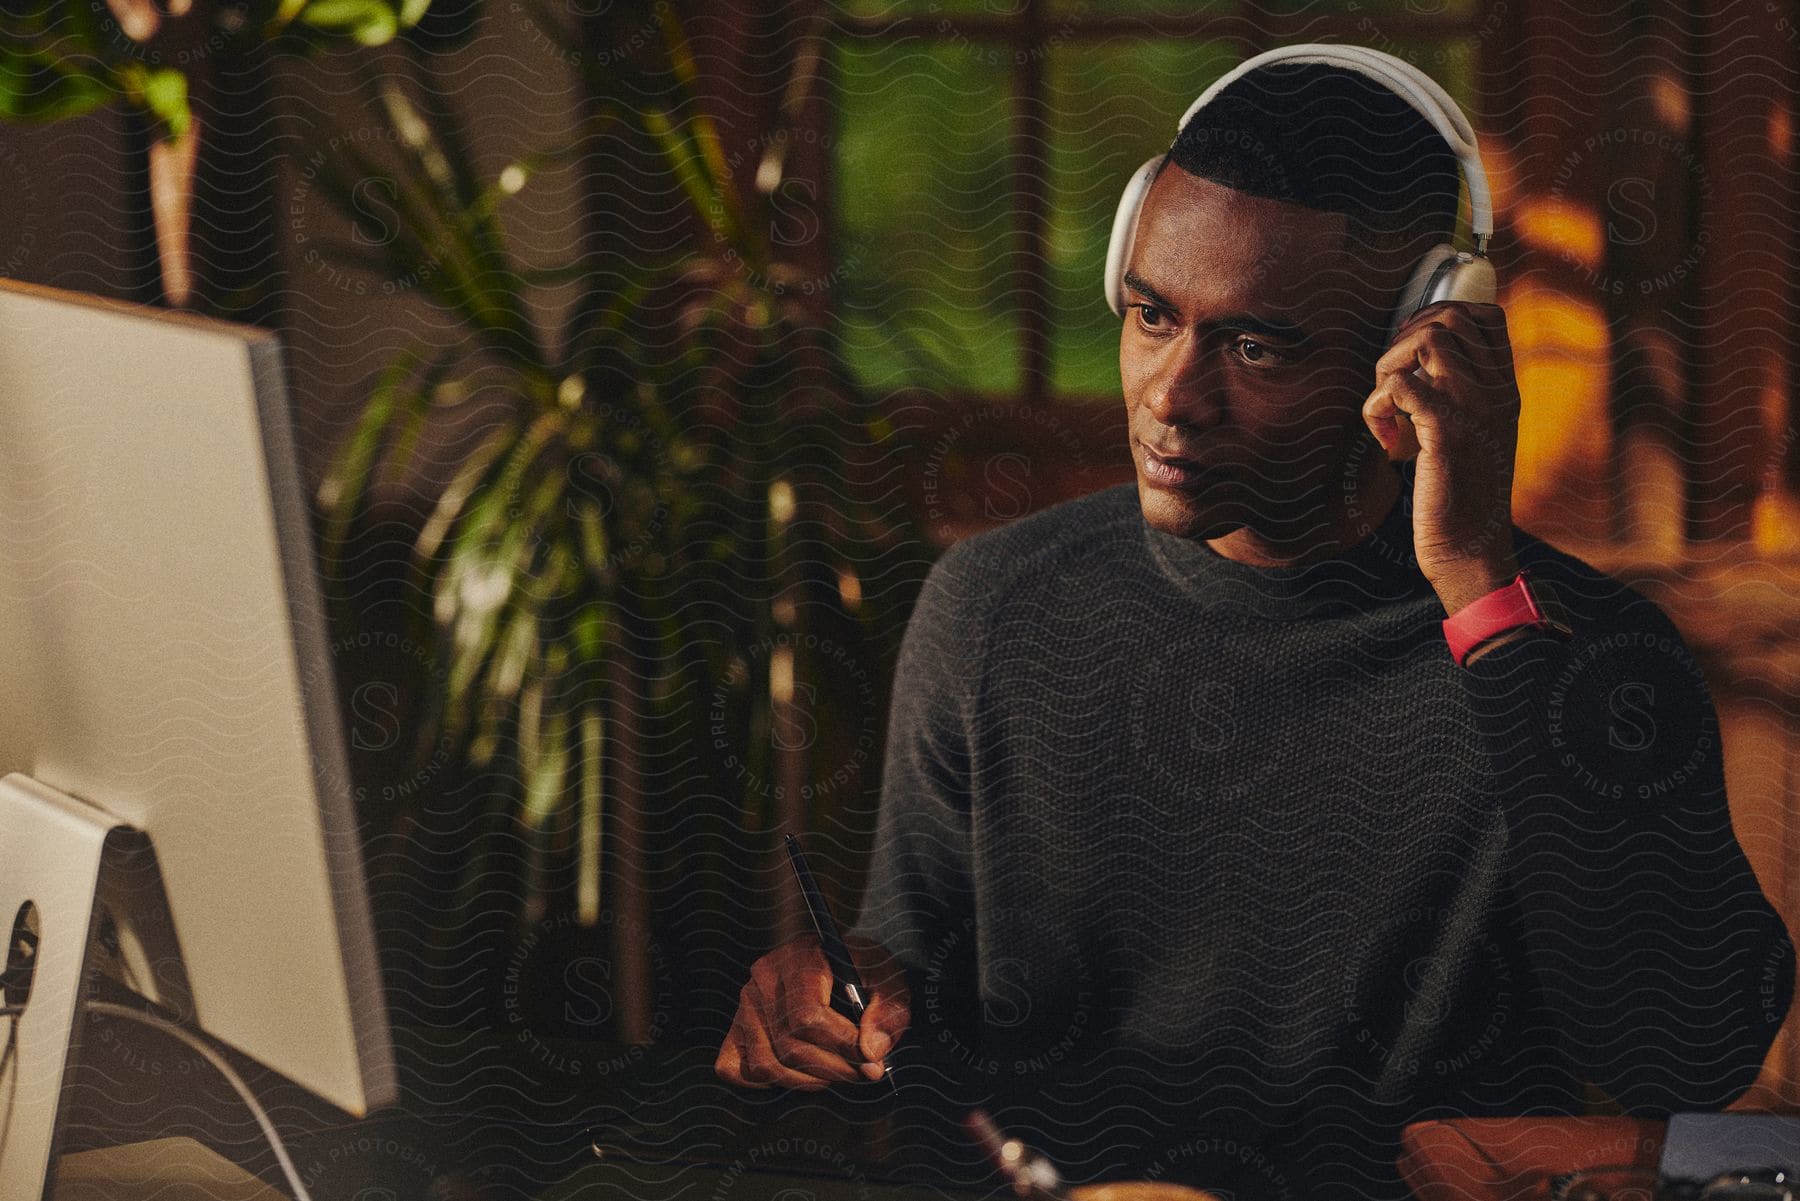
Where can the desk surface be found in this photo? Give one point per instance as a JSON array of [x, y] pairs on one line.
[[479, 1122], [733, 1182]]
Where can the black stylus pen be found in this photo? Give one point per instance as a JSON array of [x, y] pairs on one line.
[[847, 990]]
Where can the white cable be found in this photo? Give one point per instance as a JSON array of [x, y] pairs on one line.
[[225, 1069]]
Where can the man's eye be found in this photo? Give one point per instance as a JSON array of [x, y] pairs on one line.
[[1147, 315], [1260, 354]]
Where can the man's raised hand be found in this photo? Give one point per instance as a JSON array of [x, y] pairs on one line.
[[1462, 424]]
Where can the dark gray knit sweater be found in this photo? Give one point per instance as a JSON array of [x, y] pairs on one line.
[[1214, 873]]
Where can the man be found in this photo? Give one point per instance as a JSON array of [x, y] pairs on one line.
[[1197, 847]]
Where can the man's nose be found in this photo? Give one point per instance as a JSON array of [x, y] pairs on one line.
[[1185, 389]]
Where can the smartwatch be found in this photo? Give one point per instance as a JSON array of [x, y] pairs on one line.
[[1524, 602]]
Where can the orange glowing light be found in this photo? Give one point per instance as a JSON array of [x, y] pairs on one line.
[[1569, 230]]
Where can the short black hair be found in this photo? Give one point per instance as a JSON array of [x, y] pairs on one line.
[[1328, 138]]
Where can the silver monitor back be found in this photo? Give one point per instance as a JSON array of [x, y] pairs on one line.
[[163, 656]]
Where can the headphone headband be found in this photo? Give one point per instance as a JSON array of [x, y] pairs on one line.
[[1404, 80]]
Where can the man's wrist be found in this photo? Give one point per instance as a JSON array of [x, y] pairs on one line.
[[1464, 583], [1482, 623]]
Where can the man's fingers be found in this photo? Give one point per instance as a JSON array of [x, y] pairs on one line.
[[815, 1065], [774, 1049], [821, 1041], [1389, 424], [1480, 329], [874, 1042], [1443, 352], [884, 1021], [1490, 321], [1450, 341], [802, 1010], [762, 1066], [746, 1059], [729, 1064], [1395, 412], [1442, 345], [804, 1033], [817, 1045]]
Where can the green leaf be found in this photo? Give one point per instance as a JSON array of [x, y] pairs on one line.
[[447, 141], [413, 409], [463, 485], [561, 579], [473, 629], [591, 533], [286, 12], [706, 134], [712, 204], [506, 668], [600, 327], [370, 22], [537, 436], [482, 573], [34, 88], [403, 252], [347, 480], [166, 95], [431, 244], [589, 633], [485, 740], [440, 171], [470, 642], [545, 772]]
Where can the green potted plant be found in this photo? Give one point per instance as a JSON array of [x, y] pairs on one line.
[[671, 495]]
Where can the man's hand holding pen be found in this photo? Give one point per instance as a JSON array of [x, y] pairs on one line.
[[786, 1032]]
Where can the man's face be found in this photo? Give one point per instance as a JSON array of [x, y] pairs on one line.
[[1247, 351]]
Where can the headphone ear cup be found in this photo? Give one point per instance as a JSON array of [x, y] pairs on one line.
[[1444, 273], [1124, 232]]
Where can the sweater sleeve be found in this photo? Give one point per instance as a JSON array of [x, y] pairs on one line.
[[917, 899], [1665, 968]]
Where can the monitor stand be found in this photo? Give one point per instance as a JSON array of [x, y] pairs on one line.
[[79, 892]]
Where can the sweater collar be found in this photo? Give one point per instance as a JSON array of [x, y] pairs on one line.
[[1378, 570]]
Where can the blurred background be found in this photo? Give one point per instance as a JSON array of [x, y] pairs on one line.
[[645, 354]]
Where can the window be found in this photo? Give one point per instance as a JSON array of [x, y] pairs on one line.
[[979, 151]]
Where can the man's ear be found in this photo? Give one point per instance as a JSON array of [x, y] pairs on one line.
[[1381, 264], [1394, 259]]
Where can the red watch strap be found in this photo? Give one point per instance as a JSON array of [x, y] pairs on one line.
[[1503, 609]]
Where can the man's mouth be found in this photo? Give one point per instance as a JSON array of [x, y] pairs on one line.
[[1172, 471]]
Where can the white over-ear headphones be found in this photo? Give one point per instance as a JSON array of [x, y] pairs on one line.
[[1444, 273]]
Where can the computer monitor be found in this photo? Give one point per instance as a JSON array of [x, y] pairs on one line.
[[164, 660]]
